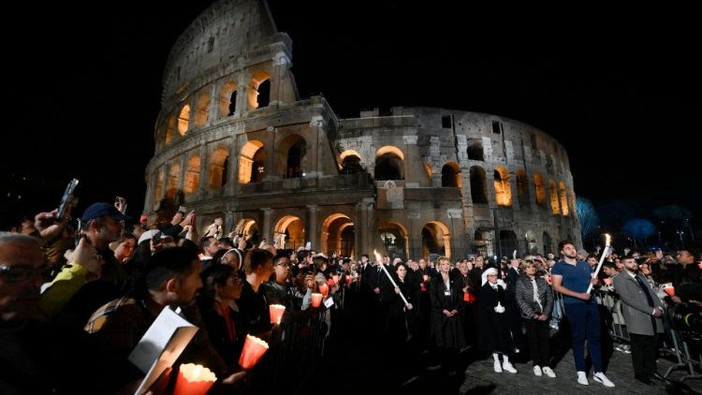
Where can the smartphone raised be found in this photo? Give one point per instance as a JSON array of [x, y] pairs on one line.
[[66, 198]]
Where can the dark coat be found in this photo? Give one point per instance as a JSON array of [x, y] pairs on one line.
[[493, 333], [525, 296], [447, 331]]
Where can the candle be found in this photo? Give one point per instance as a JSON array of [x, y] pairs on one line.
[[548, 279], [349, 278], [669, 290], [335, 277], [607, 280], [324, 289], [425, 277], [468, 297], [193, 380], [378, 259], [276, 312], [602, 258], [254, 348], [316, 299]]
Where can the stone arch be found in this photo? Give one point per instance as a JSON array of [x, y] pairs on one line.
[[503, 189], [539, 188], [475, 149], [564, 199], [338, 234], [389, 163], [478, 187], [531, 242], [508, 243], [289, 230], [170, 129], [173, 180], [184, 119], [192, 175], [350, 162], [436, 239], [251, 161], [553, 194], [483, 242], [451, 175], [293, 150], [202, 109], [254, 94], [219, 168], [247, 227], [394, 237], [522, 187], [548, 244], [226, 102]]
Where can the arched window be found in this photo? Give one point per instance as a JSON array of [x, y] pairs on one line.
[[226, 101], [451, 175], [553, 193], [173, 180], [564, 199], [259, 93], [202, 110], [503, 190], [218, 168], [539, 188], [170, 129], [294, 165], [251, 160], [192, 175], [158, 191], [475, 149], [184, 120], [522, 187], [478, 190]]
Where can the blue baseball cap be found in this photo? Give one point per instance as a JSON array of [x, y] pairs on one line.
[[98, 210]]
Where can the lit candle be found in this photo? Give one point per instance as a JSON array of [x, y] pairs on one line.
[[670, 291], [324, 289], [548, 279], [276, 312], [254, 348], [607, 280], [193, 380], [605, 252], [335, 277], [316, 299]]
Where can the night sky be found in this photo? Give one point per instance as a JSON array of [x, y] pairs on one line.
[[620, 90]]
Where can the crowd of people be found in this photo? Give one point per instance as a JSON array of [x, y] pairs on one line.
[[76, 300]]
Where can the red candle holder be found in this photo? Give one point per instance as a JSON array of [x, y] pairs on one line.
[[254, 348], [317, 299], [468, 297], [276, 312], [193, 380], [670, 291], [324, 289], [607, 280]]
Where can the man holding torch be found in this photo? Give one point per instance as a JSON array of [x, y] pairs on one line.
[[573, 278]]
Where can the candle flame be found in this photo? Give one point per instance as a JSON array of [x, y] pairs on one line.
[[378, 258], [196, 372], [608, 239]]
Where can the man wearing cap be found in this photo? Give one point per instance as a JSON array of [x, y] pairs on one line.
[[71, 295]]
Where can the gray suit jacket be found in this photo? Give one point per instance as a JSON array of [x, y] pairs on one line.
[[637, 312]]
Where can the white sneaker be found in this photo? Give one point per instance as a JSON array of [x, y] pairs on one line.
[[548, 372], [582, 378], [498, 367], [508, 367], [537, 371], [601, 378]]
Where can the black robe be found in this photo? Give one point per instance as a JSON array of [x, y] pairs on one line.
[[493, 333], [447, 331]]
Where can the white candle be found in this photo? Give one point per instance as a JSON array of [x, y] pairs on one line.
[[378, 259], [605, 252]]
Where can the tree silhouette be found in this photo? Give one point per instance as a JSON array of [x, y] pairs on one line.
[[639, 229], [589, 220]]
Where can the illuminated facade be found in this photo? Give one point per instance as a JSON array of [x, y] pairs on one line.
[[235, 141]]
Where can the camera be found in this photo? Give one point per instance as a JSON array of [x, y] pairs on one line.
[[686, 318]]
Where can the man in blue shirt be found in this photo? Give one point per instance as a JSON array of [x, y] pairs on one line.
[[571, 278]]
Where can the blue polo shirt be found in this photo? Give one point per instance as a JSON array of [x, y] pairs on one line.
[[575, 278]]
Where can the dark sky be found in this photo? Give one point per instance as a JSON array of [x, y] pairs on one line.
[[620, 90]]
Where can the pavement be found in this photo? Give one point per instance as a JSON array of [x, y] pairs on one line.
[[377, 367]]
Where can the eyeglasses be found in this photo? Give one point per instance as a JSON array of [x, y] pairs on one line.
[[20, 273], [236, 279], [283, 264]]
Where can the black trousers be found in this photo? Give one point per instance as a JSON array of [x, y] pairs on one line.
[[538, 335], [644, 350]]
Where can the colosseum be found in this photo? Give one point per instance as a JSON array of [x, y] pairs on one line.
[[234, 140]]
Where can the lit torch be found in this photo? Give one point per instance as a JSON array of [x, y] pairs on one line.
[[605, 252], [378, 259]]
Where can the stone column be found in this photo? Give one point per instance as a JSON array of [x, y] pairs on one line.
[[267, 231], [313, 235], [204, 167]]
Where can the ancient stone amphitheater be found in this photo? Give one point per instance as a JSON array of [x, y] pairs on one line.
[[234, 140]]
